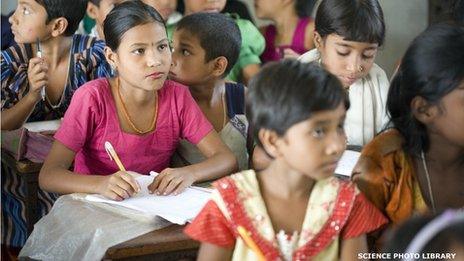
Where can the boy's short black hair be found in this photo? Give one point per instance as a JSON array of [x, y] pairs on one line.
[[72, 10], [218, 34], [95, 2], [355, 20], [285, 93]]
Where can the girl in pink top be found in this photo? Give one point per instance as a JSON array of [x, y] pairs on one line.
[[140, 113], [291, 33]]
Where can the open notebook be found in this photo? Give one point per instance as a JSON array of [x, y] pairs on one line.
[[176, 209]]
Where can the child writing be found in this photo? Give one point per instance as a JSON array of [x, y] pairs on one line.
[[167, 9], [206, 47], [297, 111], [417, 165], [98, 10], [139, 112], [292, 31], [347, 36], [248, 63], [38, 88]]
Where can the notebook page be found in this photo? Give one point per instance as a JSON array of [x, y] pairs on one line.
[[347, 162], [176, 209], [40, 126]]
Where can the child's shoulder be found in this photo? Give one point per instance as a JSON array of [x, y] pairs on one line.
[[83, 42], [17, 54], [95, 89], [243, 179], [377, 72]]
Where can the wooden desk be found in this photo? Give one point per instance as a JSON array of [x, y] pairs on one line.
[[28, 171], [168, 243]]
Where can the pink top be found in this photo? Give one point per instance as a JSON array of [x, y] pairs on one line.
[[273, 53], [92, 119]]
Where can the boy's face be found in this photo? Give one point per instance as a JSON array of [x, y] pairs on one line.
[[143, 57], [164, 7], [196, 6], [188, 60], [348, 60], [313, 147], [28, 22], [99, 13]]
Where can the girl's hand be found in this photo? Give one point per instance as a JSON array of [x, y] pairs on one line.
[[37, 76], [171, 181], [289, 53], [119, 186]]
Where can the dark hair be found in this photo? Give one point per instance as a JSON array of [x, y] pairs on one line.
[[458, 12], [285, 93], [217, 33], [95, 2], [400, 238], [431, 68], [355, 20], [126, 16], [73, 11], [304, 8]]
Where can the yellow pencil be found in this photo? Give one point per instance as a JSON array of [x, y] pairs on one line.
[[250, 243], [113, 156]]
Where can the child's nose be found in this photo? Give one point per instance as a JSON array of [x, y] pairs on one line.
[[336, 144], [353, 65], [12, 19]]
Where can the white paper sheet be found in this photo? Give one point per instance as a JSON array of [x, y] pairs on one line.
[[176, 209], [40, 126], [347, 162]]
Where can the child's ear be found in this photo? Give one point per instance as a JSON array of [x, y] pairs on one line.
[[219, 66], [423, 111], [92, 10], [58, 26], [269, 140], [111, 58], [317, 40]]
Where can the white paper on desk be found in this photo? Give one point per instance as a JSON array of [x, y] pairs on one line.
[[347, 162], [176, 209], [40, 126]]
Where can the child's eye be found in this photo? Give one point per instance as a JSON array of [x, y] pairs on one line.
[[342, 54], [318, 133], [185, 52], [367, 57], [138, 51], [163, 47], [25, 11]]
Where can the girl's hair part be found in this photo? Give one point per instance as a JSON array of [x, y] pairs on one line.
[[431, 68], [355, 20], [126, 16]]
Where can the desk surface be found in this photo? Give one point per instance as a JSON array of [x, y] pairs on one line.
[[22, 166], [168, 239]]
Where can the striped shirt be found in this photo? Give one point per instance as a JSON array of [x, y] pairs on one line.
[[87, 62]]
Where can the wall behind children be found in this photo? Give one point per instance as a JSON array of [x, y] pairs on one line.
[[404, 19]]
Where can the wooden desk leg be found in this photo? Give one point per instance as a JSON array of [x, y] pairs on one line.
[[32, 202]]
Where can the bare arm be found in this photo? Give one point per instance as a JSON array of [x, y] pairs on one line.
[[55, 176], [352, 247], [219, 162], [212, 252], [14, 117]]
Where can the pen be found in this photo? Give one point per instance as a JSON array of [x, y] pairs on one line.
[[39, 54], [113, 156], [249, 242]]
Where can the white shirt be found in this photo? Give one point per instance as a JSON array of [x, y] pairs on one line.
[[367, 115]]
